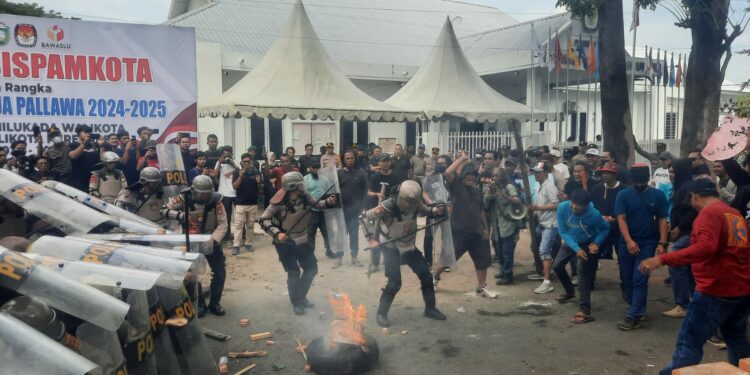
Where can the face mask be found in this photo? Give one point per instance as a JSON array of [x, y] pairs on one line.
[[640, 188], [440, 169], [57, 140], [18, 153]]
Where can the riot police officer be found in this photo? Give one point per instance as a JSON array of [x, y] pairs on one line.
[[145, 198], [107, 182], [396, 220], [207, 216], [288, 220]]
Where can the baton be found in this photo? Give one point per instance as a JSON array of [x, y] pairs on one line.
[[307, 210], [406, 234]]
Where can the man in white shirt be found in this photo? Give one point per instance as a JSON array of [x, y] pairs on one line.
[[661, 174], [562, 172], [223, 171], [545, 208]]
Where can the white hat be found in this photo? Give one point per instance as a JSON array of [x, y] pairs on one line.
[[556, 152], [592, 151]]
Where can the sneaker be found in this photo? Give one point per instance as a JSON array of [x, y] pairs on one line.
[[546, 287], [355, 262], [482, 291], [331, 254], [433, 313], [446, 269], [504, 281], [717, 342], [535, 276], [298, 310], [575, 280], [629, 324], [249, 248], [598, 266], [499, 275], [235, 250], [435, 280], [676, 312]]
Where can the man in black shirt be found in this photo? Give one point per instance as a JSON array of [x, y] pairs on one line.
[[213, 154], [306, 160], [84, 156], [353, 185], [248, 183], [183, 139], [128, 159], [603, 196], [400, 163], [384, 175]]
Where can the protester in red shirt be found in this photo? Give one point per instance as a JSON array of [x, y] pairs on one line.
[[285, 165], [720, 260]]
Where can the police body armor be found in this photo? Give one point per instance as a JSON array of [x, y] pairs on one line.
[[203, 216], [148, 207], [395, 224], [110, 184], [294, 214]]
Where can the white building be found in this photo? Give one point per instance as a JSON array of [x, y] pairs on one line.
[[380, 45]]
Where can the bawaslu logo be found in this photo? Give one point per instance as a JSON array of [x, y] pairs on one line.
[[4, 34], [26, 35], [56, 34]]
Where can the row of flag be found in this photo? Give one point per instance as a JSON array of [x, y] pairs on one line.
[[661, 72]]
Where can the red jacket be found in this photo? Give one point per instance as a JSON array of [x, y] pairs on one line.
[[719, 254]]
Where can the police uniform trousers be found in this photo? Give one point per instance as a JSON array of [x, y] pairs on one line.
[[393, 261], [218, 265], [301, 266]]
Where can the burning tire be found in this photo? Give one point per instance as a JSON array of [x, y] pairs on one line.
[[344, 359]]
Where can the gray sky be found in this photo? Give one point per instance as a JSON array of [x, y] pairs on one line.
[[657, 27]]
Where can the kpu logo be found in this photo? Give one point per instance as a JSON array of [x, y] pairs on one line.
[[26, 35]]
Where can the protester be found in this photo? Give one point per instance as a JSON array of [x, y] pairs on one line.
[[544, 207], [642, 217], [400, 163], [383, 177], [581, 180], [488, 163], [377, 154], [306, 160], [247, 182], [84, 155], [353, 187], [291, 151], [363, 161], [603, 197], [285, 166], [661, 174], [41, 172], [499, 202], [200, 167], [223, 172], [316, 184], [719, 255], [696, 157], [149, 158], [3, 156], [128, 160], [188, 160], [582, 148], [561, 171], [727, 188], [441, 191], [468, 221], [213, 154]]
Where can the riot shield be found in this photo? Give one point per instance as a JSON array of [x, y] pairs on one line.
[[55, 209], [335, 221], [442, 236], [164, 349], [101, 347], [173, 174], [102, 275], [174, 270], [194, 353], [199, 243], [138, 346], [20, 274], [25, 350], [199, 260], [130, 222]]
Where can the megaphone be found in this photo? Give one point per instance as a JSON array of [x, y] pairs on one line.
[[517, 211]]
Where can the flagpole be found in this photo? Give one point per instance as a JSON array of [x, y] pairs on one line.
[[665, 78], [679, 87], [567, 88], [632, 71], [557, 89], [531, 73], [671, 99], [658, 96], [650, 96], [549, 38]]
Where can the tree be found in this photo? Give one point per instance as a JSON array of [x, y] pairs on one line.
[[27, 9]]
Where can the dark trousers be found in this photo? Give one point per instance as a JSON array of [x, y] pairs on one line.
[[415, 261], [634, 282], [683, 283], [427, 244], [293, 258], [351, 217], [705, 315], [587, 271], [505, 249], [535, 242], [218, 264], [228, 203], [319, 223]]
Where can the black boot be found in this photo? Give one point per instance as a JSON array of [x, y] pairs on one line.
[[386, 299], [430, 311]]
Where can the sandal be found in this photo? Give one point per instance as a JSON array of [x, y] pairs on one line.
[[581, 318], [565, 298]]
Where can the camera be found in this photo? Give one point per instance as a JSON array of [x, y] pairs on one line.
[[18, 153], [95, 136], [154, 131]]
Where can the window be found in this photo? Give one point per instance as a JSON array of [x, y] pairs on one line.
[[670, 125]]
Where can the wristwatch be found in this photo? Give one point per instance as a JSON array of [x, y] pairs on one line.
[[665, 244]]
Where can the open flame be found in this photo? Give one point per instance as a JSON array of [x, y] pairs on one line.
[[348, 326]]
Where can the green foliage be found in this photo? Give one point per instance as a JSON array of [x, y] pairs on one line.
[[742, 107], [27, 9], [582, 8]]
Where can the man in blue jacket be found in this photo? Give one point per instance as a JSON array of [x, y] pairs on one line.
[[582, 229]]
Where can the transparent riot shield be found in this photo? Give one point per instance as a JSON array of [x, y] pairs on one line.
[[55, 209], [335, 221], [138, 346], [173, 175], [102, 275], [129, 221], [199, 260], [174, 270], [199, 243], [194, 353], [442, 236], [164, 349], [25, 350], [20, 274], [101, 347]]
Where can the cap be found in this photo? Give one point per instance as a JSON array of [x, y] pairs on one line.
[[541, 167], [583, 143], [422, 146], [592, 151], [315, 164], [609, 167], [556, 152], [666, 155], [593, 145], [150, 144], [511, 160], [702, 185], [436, 149], [83, 128], [329, 145], [354, 147]]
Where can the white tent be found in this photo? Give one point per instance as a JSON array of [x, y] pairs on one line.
[[297, 78], [447, 85]]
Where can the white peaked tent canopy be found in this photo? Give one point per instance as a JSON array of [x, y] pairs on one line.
[[297, 78], [447, 85]]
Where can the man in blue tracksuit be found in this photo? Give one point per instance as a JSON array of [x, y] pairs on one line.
[[582, 229]]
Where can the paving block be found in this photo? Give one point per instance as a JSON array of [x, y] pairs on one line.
[[718, 368]]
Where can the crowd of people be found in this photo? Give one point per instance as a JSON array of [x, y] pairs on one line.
[[582, 207]]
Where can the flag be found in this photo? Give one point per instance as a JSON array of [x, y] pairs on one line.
[[582, 54], [678, 79], [671, 71], [598, 62], [537, 50], [549, 51], [658, 67], [558, 54], [572, 55], [648, 70], [665, 73], [636, 21], [592, 57]]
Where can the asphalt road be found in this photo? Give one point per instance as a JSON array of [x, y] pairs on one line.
[[518, 333]]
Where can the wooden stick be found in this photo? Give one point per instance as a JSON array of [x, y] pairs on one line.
[[301, 348], [246, 369], [260, 336], [247, 354]]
